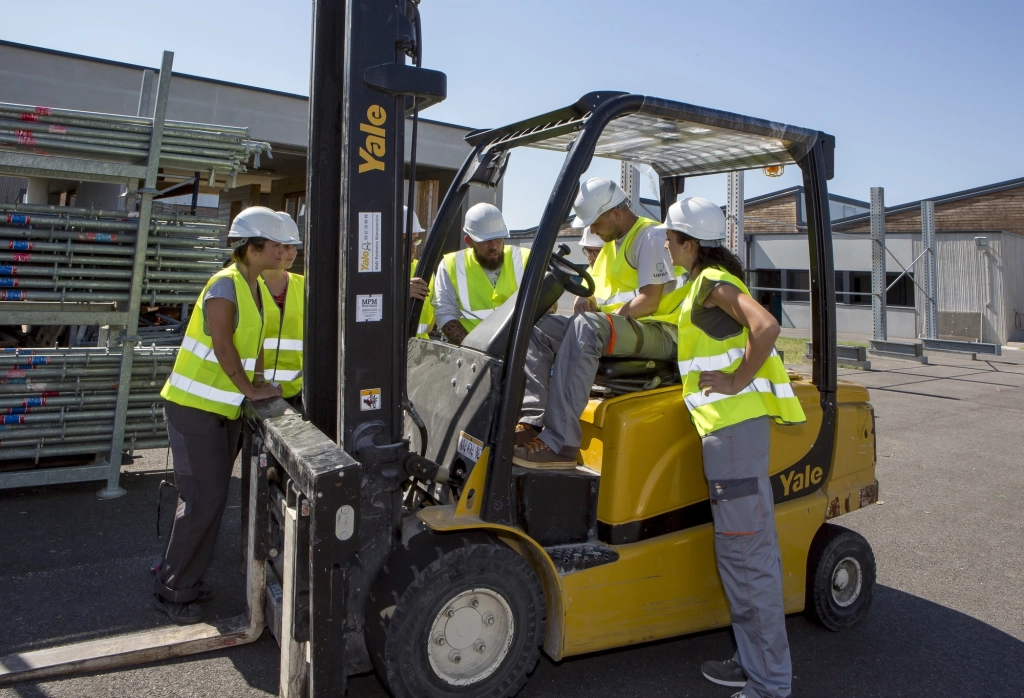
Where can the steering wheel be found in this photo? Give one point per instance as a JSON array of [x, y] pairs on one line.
[[574, 277]]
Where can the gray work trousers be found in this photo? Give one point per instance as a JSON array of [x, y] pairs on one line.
[[204, 446], [747, 552], [562, 362]]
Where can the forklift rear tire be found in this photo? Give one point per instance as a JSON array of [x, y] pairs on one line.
[[462, 616], [840, 577]]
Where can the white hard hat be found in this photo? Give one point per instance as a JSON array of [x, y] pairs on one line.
[[590, 239], [261, 222], [291, 227], [597, 195], [698, 218], [484, 222], [416, 227]]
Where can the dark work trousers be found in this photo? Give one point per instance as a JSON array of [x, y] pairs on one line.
[[747, 551], [204, 446]]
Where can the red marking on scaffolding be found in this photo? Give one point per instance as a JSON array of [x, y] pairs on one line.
[[54, 128], [15, 373], [51, 393], [44, 111], [22, 257], [25, 137], [28, 116]]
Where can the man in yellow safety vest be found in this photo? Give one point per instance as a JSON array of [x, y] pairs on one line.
[[632, 314], [471, 283]]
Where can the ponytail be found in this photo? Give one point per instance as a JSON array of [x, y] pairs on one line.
[[720, 256]]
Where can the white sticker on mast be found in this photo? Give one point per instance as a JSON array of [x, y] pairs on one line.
[[369, 242]]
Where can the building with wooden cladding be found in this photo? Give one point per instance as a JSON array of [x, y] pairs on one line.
[[980, 256]]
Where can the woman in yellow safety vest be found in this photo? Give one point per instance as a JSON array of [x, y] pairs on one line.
[[282, 347], [735, 386], [219, 364]]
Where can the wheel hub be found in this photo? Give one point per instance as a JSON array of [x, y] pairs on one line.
[[847, 580], [470, 637]]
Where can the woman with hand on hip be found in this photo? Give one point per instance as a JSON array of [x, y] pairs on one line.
[[219, 365], [735, 385]]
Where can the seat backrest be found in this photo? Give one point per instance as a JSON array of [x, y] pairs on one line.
[[491, 335]]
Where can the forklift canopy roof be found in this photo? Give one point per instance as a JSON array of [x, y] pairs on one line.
[[673, 137]]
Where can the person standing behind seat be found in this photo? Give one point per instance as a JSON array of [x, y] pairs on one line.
[[632, 314], [285, 321], [219, 365], [592, 246], [472, 282], [735, 385], [419, 289]]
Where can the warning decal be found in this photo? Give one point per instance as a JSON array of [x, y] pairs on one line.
[[369, 399], [470, 447]]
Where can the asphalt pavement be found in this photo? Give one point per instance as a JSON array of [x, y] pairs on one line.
[[948, 616]]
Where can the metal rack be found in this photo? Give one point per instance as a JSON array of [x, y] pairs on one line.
[[76, 266]]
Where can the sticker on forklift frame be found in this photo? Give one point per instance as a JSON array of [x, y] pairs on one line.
[[470, 447], [369, 242], [369, 399], [370, 308]]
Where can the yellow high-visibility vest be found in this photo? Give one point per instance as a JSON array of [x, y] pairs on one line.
[[282, 347], [616, 282], [476, 297], [768, 394], [427, 311], [197, 379]]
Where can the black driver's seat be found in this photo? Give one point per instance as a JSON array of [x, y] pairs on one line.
[[616, 376]]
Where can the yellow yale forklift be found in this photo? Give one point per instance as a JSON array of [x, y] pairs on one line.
[[388, 529]]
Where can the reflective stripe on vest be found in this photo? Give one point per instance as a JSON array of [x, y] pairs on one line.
[[197, 379], [427, 311], [768, 394], [476, 297], [282, 349]]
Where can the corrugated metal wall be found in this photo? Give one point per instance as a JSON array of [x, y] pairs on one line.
[[1013, 282], [971, 280]]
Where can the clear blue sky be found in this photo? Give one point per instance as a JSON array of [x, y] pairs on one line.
[[922, 97]]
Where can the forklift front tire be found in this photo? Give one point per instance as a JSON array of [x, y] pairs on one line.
[[469, 624], [840, 577]]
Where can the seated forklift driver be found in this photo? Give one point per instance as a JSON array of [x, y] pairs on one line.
[[282, 347], [472, 282], [636, 295], [733, 383], [220, 363]]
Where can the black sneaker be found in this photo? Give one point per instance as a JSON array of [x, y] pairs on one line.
[[180, 613], [727, 673]]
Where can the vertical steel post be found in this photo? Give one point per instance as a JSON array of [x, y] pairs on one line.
[[734, 216], [878, 309], [146, 93], [113, 489], [323, 227], [931, 279], [629, 179]]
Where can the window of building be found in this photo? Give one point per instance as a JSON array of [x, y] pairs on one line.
[[900, 295], [795, 278]]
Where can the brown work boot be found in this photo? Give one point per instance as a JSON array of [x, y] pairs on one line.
[[525, 433], [537, 454]]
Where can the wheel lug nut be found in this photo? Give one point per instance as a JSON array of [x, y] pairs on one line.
[[480, 647], [474, 602], [439, 640], [455, 657], [450, 613], [489, 619]]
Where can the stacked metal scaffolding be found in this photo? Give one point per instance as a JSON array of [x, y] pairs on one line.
[[68, 266], [73, 255], [222, 151], [64, 402]]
